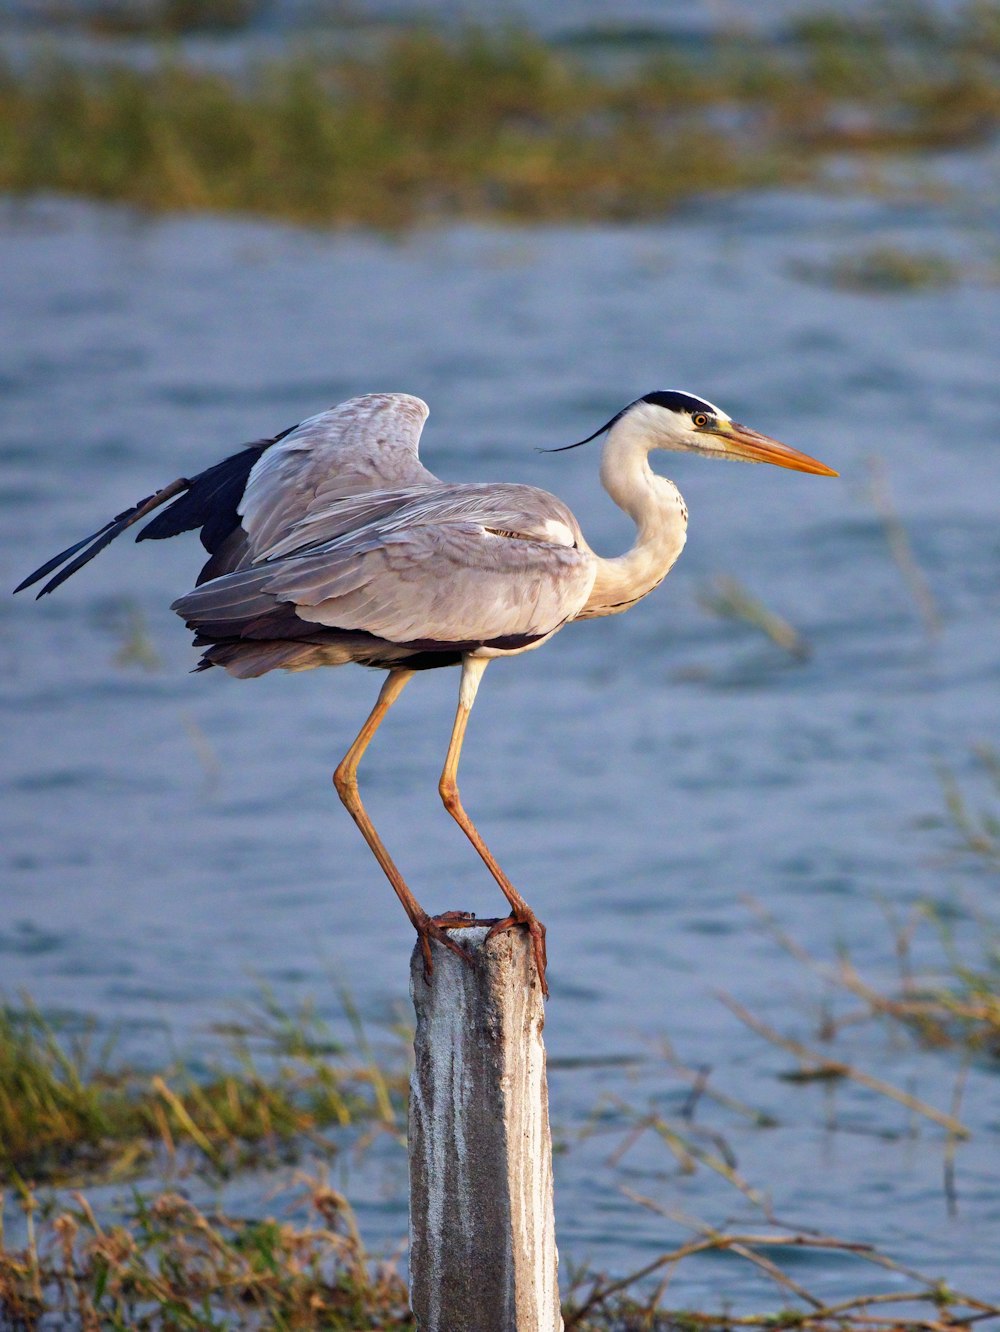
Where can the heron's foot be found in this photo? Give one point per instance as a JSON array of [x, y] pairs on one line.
[[456, 919], [431, 927], [537, 931]]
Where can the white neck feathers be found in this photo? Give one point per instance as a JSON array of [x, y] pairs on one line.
[[655, 505]]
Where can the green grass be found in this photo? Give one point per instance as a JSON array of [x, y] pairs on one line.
[[70, 1110], [975, 832], [500, 126]]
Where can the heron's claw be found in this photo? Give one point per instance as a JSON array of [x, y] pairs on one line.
[[430, 927], [537, 931]]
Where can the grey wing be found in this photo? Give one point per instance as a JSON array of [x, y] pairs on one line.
[[365, 444], [500, 508], [456, 568]]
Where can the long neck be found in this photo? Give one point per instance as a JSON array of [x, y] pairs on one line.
[[659, 513]]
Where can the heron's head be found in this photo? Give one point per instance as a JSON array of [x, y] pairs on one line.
[[679, 421]]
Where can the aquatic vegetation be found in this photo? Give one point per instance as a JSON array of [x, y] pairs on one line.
[[727, 597], [901, 548], [883, 268], [957, 1006], [167, 1263], [69, 1110], [976, 832], [504, 126], [136, 648], [488, 129], [160, 1260], [602, 1304]]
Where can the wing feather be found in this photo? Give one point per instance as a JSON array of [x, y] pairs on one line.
[[433, 570], [365, 444]]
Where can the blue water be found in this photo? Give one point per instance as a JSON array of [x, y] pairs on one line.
[[170, 842]]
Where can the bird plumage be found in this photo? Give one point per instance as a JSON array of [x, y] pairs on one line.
[[463, 568], [332, 543]]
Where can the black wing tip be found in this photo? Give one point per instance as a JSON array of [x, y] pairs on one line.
[[50, 586], [92, 545], [29, 581], [56, 560]]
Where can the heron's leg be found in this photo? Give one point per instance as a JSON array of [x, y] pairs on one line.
[[345, 779], [521, 913]]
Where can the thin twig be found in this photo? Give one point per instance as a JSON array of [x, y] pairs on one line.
[[727, 597], [820, 1316], [736, 1245], [688, 1153], [699, 1078], [824, 1067]]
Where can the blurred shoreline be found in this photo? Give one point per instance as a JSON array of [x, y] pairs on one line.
[[426, 126]]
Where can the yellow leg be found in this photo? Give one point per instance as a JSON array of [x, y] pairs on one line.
[[520, 912], [345, 779]]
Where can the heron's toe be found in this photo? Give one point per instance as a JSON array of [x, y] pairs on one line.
[[536, 930], [427, 929]]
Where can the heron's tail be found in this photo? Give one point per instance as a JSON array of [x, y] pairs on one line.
[[246, 659]]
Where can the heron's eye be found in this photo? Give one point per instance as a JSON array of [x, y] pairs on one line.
[[700, 419]]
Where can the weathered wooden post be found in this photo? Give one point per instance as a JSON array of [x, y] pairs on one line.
[[482, 1231]]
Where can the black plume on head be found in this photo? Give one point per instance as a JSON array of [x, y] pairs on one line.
[[606, 426], [674, 400]]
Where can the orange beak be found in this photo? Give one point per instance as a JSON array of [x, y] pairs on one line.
[[741, 442]]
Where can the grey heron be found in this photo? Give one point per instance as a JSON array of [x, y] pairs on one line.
[[332, 543]]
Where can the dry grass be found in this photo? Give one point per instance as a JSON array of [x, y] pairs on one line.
[[502, 126], [922, 1304], [170, 1265], [955, 1008]]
